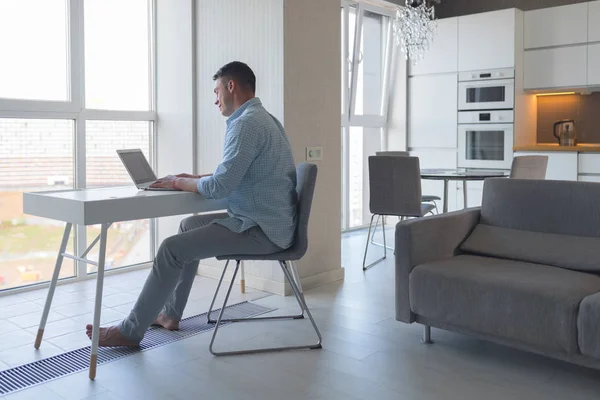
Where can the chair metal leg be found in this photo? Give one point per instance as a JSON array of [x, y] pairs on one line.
[[296, 277], [366, 267], [383, 229], [427, 334], [212, 303], [300, 299], [210, 309]]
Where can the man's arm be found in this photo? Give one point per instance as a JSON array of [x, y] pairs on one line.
[[185, 182], [242, 144]]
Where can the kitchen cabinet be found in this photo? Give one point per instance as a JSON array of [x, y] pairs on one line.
[[487, 40], [562, 165], [589, 163], [593, 64], [442, 56], [594, 21], [556, 26], [589, 178], [432, 105], [556, 67]]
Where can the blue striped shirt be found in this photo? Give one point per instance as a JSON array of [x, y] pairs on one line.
[[257, 175]]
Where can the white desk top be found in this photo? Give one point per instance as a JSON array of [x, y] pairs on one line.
[[114, 204]]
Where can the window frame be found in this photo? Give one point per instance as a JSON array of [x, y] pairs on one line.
[[74, 109], [350, 79]]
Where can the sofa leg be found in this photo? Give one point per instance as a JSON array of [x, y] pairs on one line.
[[427, 334]]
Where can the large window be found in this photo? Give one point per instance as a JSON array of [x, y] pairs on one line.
[[366, 62], [76, 83]]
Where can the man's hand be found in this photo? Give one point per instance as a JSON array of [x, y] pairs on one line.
[[185, 182], [166, 182]]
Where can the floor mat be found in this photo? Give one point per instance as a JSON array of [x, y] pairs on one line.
[[34, 373]]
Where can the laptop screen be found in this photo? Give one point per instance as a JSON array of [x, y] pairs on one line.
[[138, 167]]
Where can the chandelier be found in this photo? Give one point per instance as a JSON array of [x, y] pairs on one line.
[[414, 28]]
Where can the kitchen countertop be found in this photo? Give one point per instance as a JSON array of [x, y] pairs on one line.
[[581, 147]]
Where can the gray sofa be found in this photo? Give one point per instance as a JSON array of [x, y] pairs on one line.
[[523, 270]]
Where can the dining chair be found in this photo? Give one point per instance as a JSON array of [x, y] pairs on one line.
[[425, 198], [529, 167], [395, 189], [305, 187]]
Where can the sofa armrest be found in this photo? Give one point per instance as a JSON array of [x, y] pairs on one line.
[[423, 240]]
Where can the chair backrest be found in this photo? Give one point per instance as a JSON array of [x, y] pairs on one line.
[[395, 185], [305, 187], [529, 167], [392, 153]]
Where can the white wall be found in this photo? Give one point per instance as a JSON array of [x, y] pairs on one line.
[[174, 95], [235, 30], [294, 48], [312, 98]]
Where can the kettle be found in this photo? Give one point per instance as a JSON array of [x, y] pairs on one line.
[[564, 131]]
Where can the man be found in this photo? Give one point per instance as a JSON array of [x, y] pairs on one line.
[[257, 177]]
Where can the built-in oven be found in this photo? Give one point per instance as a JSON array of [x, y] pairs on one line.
[[486, 90], [485, 139]]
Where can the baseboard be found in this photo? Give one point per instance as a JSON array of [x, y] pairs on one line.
[[323, 278]]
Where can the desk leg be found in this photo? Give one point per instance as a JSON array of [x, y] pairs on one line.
[[464, 194], [445, 206], [59, 260], [98, 306], [243, 278]]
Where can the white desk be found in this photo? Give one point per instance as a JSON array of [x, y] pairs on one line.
[[105, 206]]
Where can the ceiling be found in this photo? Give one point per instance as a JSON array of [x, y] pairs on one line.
[[453, 8]]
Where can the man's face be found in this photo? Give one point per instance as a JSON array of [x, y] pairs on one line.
[[224, 96]]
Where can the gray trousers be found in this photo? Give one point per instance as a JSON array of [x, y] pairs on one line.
[[168, 285]]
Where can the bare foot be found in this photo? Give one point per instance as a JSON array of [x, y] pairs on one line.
[[166, 322], [110, 337]]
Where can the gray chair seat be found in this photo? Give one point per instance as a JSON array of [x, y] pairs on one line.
[[291, 254], [430, 197], [531, 303]]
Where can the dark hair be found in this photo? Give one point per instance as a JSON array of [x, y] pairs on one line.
[[239, 72]]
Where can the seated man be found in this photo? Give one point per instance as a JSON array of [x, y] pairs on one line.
[[257, 177]]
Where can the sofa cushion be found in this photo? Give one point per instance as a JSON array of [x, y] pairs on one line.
[[566, 251], [561, 207], [530, 303], [588, 326]]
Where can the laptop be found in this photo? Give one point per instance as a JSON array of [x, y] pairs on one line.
[[139, 169]]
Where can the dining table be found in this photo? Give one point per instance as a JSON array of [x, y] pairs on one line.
[[462, 175]]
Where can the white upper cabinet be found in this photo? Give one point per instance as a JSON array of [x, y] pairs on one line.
[[432, 105], [556, 67], [556, 26], [594, 21], [487, 40], [593, 68], [443, 54]]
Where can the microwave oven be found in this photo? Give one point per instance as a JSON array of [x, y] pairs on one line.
[[486, 90]]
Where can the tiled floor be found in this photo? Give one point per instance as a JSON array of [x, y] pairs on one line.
[[73, 307], [366, 354]]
